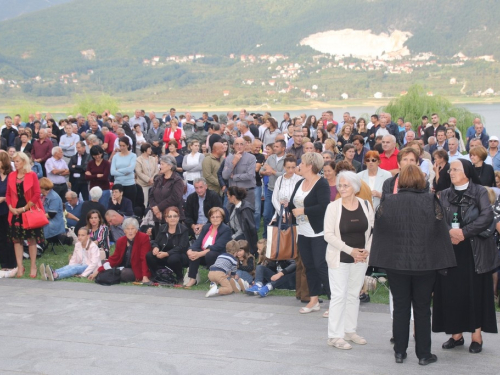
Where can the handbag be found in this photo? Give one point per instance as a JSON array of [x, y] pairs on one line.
[[109, 277], [34, 218], [281, 239], [165, 276]]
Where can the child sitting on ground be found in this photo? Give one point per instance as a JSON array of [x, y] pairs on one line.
[[246, 264], [84, 261], [222, 272], [271, 274]]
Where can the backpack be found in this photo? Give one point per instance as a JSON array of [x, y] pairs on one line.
[[109, 277]]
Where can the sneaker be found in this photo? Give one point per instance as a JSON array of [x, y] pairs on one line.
[[26, 255], [49, 273], [253, 290], [43, 274], [264, 291], [212, 291], [243, 285]]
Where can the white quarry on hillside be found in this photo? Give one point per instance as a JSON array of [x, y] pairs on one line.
[[362, 44]]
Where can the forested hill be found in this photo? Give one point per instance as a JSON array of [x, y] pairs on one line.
[[14, 8], [51, 39]]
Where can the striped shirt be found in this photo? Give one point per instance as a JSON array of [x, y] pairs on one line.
[[225, 263]]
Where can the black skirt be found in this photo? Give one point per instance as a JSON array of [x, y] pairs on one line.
[[463, 299]]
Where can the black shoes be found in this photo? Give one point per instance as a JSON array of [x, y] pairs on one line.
[[427, 361], [392, 340], [364, 298], [451, 343], [400, 357], [475, 347]]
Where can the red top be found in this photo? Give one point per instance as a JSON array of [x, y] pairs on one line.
[[31, 191], [177, 137], [391, 162], [140, 248], [42, 150], [103, 168], [110, 138]]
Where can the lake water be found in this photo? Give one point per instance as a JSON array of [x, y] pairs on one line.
[[490, 113]]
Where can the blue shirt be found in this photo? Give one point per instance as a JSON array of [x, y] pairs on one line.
[[76, 211], [123, 167], [53, 203]]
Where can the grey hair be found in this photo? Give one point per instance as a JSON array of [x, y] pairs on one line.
[[393, 138], [332, 155], [170, 160], [110, 213], [130, 221], [95, 193], [411, 131], [55, 149], [243, 123], [199, 179], [352, 178], [120, 130], [72, 194], [156, 121]]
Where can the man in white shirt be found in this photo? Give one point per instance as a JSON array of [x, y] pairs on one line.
[[138, 119], [453, 153], [68, 142], [57, 169], [383, 131]]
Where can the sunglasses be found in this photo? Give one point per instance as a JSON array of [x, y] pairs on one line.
[[371, 160]]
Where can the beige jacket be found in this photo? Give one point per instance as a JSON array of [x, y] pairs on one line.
[[332, 231], [145, 169]]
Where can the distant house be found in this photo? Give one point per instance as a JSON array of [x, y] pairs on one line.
[[314, 87], [314, 95], [156, 58], [453, 81], [2, 81], [250, 81], [378, 95], [430, 93], [272, 82], [225, 92], [88, 54], [344, 96]]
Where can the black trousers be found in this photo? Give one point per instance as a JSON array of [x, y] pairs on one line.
[[7, 254], [175, 262], [81, 187], [313, 251], [61, 190], [130, 192], [207, 260], [408, 289]]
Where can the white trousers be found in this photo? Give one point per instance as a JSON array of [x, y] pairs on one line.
[[345, 283]]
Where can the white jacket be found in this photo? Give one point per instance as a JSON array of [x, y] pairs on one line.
[[332, 231]]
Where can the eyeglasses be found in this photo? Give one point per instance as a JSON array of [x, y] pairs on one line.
[[342, 186], [371, 160], [172, 216], [454, 170]]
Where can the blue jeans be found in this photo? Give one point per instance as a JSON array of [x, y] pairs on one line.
[[264, 274], [258, 198], [70, 270], [245, 276], [268, 210]]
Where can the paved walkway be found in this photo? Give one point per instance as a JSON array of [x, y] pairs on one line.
[[76, 328]]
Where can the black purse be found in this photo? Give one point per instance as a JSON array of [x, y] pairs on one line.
[[165, 276], [109, 277]]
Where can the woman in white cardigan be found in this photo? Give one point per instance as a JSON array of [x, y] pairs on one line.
[[374, 176], [348, 228]]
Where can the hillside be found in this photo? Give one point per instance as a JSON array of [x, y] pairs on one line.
[[14, 8], [111, 46]]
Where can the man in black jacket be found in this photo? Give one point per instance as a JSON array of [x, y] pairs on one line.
[[77, 167], [431, 131], [195, 217]]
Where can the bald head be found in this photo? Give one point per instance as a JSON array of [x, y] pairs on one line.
[[218, 149]]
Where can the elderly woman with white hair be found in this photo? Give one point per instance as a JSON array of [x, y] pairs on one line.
[[308, 204], [130, 254], [167, 190], [348, 227]]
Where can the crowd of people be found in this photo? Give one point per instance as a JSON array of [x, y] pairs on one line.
[[418, 202]]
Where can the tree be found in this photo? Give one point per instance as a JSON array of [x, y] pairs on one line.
[[416, 103]]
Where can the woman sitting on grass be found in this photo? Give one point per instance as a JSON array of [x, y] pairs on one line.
[[84, 261]]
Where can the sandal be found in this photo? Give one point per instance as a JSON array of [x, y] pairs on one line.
[[339, 344], [326, 314], [307, 310]]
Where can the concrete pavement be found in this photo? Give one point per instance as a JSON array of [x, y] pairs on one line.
[[77, 328]]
